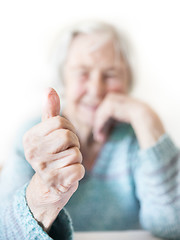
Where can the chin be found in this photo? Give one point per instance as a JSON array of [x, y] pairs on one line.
[[86, 114], [86, 118]]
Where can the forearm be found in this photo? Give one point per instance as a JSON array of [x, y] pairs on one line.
[[16, 220], [43, 213], [44, 216], [147, 126], [46, 203], [156, 176]]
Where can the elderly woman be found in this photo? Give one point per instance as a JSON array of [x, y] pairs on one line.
[[131, 164]]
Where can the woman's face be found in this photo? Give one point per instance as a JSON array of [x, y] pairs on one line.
[[92, 70]]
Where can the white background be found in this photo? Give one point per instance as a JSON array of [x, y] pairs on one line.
[[27, 30]]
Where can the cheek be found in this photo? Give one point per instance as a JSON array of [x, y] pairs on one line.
[[118, 88], [75, 91]]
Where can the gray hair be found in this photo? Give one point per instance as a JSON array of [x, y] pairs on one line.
[[89, 27]]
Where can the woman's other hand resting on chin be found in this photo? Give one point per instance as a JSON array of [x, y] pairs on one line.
[[123, 108]]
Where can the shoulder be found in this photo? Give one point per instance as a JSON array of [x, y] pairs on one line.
[[29, 123], [24, 127]]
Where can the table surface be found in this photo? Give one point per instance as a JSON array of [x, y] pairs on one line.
[[122, 235]]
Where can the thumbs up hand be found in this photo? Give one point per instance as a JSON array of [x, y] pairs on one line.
[[52, 149]]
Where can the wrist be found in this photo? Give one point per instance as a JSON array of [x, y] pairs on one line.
[[147, 126], [43, 213]]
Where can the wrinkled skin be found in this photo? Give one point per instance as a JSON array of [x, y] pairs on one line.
[[96, 92], [52, 149]]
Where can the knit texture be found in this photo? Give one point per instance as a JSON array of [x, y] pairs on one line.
[[17, 222], [127, 188]]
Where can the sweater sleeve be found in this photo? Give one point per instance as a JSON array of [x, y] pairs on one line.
[[16, 170], [17, 222], [157, 178]]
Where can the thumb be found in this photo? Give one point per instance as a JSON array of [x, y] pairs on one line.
[[51, 106]]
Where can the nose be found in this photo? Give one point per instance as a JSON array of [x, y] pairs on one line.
[[96, 86]]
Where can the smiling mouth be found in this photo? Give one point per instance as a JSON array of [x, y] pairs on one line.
[[91, 108]]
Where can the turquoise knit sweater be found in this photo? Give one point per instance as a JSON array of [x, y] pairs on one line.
[[128, 188]]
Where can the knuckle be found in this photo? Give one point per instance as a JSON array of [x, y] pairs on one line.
[[30, 154], [73, 128], [37, 167], [53, 174], [76, 154], [50, 177], [77, 173], [58, 118], [31, 150], [67, 135], [59, 121], [42, 166], [30, 136], [62, 189], [75, 186], [77, 140], [80, 172]]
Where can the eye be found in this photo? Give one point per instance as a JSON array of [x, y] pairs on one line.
[[83, 74], [110, 75]]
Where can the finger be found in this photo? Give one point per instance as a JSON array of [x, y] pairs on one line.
[[63, 159], [114, 106], [50, 125], [64, 176], [51, 106], [64, 192], [102, 123], [59, 140], [70, 174], [56, 142]]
